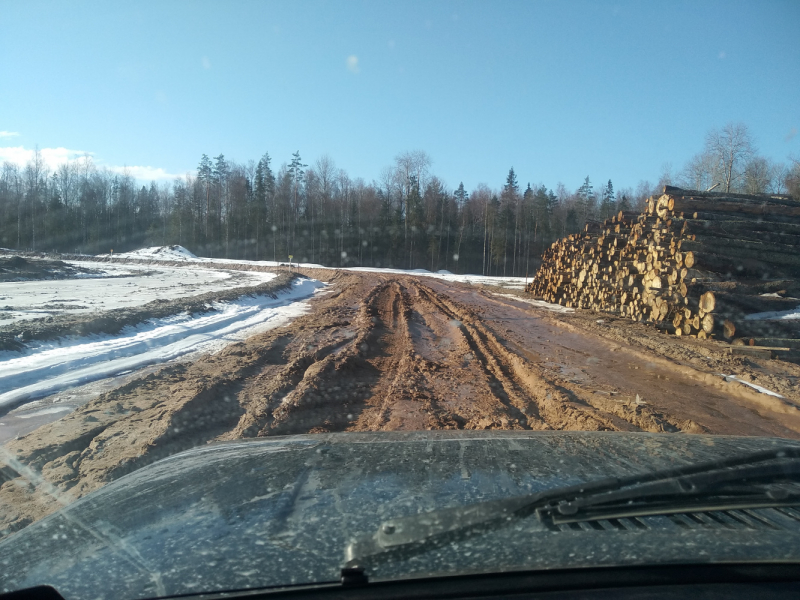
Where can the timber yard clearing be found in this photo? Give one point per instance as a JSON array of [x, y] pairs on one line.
[[391, 351]]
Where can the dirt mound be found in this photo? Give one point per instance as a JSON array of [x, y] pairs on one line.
[[17, 268], [15, 262]]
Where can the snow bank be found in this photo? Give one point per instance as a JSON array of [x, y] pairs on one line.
[[50, 367], [775, 315], [160, 253]]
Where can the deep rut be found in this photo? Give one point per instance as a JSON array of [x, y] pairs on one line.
[[377, 353]]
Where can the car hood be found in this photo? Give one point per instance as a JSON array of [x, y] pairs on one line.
[[280, 511]]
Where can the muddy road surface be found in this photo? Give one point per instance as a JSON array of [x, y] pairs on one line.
[[386, 352]]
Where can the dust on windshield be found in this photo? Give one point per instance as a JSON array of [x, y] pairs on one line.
[[248, 289]]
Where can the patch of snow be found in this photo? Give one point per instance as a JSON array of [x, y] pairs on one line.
[[158, 253], [44, 411], [775, 315], [173, 252], [184, 255], [122, 286], [508, 282], [763, 390], [49, 367], [537, 303]]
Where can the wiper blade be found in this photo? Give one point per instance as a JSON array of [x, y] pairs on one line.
[[750, 486], [754, 480]]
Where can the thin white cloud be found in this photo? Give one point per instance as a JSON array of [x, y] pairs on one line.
[[352, 64], [144, 173], [4, 134], [54, 157], [206, 63]]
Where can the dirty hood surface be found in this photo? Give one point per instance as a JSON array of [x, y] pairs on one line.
[[281, 511]]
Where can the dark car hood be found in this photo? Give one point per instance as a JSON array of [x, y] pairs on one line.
[[281, 511]]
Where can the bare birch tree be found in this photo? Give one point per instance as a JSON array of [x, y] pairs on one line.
[[731, 148]]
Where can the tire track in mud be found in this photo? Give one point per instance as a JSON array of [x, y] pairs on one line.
[[379, 352], [533, 393], [561, 405]]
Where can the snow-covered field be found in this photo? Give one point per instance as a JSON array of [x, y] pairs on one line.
[[117, 286], [181, 254], [48, 367]]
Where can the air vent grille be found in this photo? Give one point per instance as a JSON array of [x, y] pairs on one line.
[[765, 519]]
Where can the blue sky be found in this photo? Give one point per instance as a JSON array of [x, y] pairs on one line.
[[558, 90]]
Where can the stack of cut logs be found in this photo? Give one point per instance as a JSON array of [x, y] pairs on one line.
[[694, 263]]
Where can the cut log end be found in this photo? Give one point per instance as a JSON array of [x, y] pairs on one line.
[[707, 302]]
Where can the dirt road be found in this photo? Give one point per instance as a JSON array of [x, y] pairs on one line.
[[385, 352]]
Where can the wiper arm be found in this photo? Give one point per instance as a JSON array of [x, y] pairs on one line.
[[749, 486], [744, 481]]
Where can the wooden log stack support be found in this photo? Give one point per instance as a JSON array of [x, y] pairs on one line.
[[693, 264]]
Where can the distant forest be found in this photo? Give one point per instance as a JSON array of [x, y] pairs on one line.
[[407, 219]]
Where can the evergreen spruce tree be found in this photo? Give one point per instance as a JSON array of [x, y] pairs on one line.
[[607, 204], [461, 195], [511, 187]]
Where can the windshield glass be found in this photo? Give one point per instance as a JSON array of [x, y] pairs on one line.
[[273, 276]]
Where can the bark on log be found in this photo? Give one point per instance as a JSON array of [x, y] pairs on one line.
[[727, 205], [676, 191]]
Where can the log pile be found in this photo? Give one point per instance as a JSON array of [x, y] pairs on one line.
[[693, 263]]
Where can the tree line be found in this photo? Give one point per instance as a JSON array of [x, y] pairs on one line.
[[408, 218]]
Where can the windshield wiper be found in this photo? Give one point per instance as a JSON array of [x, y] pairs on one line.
[[754, 480]]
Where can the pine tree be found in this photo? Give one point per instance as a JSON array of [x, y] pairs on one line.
[[510, 219], [461, 195], [586, 200], [220, 179], [415, 215], [204, 175], [296, 172], [607, 203]]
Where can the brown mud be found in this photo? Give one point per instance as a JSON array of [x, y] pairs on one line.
[[385, 352]]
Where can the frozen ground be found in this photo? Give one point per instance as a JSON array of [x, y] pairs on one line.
[[118, 286], [181, 254], [46, 368]]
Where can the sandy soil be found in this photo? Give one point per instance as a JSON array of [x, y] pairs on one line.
[[388, 352]]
